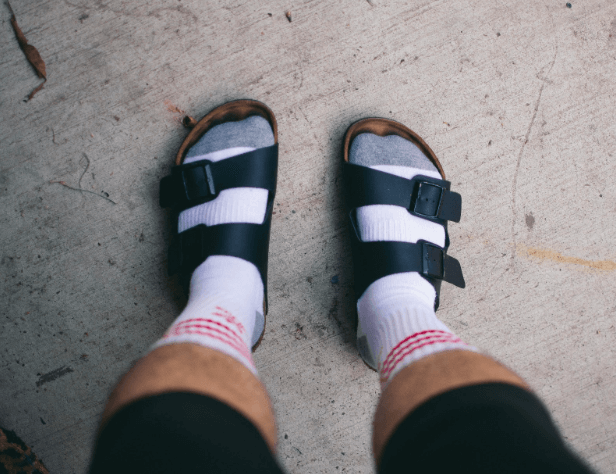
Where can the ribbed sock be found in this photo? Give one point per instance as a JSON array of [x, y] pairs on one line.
[[225, 303], [397, 322]]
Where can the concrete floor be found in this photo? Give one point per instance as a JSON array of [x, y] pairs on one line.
[[518, 99]]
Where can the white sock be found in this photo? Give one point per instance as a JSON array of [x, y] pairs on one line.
[[397, 322], [225, 304]]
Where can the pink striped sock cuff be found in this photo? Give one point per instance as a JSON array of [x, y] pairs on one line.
[[417, 346], [215, 333]]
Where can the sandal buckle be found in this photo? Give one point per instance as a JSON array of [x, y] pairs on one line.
[[198, 182], [426, 201], [432, 261]]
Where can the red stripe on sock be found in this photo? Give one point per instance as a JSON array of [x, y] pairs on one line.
[[229, 318], [392, 356], [229, 335], [191, 322], [409, 340], [408, 352], [196, 329], [393, 359], [243, 350]]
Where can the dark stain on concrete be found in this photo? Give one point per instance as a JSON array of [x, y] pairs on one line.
[[7, 261], [333, 313], [4, 185], [53, 375], [299, 332], [530, 221]]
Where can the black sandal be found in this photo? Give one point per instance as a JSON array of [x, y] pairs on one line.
[[422, 196], [199, 182]]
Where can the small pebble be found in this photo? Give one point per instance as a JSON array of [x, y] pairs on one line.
[[335, 279], [568, 5], [288, 15]]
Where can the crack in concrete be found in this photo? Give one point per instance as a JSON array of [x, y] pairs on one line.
[[514, 186], [156, 13]]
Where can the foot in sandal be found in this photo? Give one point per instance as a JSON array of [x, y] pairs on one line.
[[401, 205], [223, 188]]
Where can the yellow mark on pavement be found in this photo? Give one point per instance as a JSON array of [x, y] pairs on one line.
[[546, 254]]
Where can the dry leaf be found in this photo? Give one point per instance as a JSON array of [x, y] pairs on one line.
[[32, 54], [30, 51], [38, 88]]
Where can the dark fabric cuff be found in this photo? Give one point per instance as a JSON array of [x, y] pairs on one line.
[[181, 432], [484, 428]]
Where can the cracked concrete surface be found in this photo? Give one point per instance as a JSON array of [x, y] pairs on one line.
[[517, 99]]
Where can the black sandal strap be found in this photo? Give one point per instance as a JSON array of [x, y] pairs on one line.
[[192, 247], [250, 242], [422, 196], [202, 181], [384, 258], [374, 260]]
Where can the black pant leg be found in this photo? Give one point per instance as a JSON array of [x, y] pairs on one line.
[[488, 428], [181, 433]]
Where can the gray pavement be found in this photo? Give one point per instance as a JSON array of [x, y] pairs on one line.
[[518, 100]]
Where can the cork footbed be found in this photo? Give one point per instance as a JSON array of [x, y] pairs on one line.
[[383, 127], [229, 112]]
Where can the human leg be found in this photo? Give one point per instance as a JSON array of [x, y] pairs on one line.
[[466, 413], [428, 377], [223, 194], [191, 368], [186, 408], [440, 396]]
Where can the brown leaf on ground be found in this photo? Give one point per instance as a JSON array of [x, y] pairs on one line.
[[38, 88], [32, 54]]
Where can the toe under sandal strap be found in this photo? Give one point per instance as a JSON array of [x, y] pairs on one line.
[[422, 196], [202, 181], [195, 183]]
